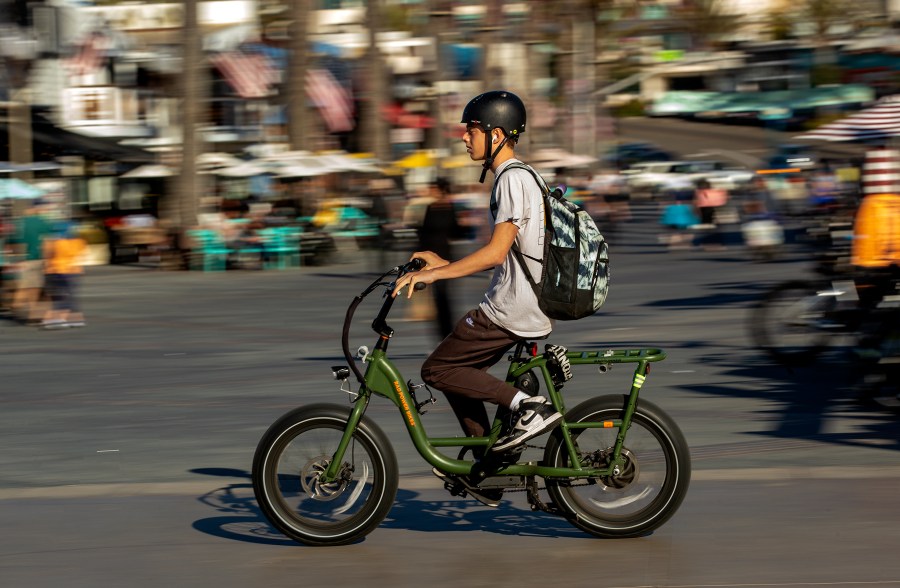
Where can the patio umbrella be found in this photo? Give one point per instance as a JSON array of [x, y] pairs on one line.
[[457, 161], [150, 171], [344, 162], [296, 164], [299, 170], [18, 189], [415, 160], [879, 123], [558, 158], [245, 169], [213, 161]]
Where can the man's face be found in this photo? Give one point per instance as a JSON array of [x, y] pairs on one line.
[[474, 141]]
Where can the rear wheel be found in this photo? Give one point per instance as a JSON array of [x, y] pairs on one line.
[[643, 492], [288, 465]]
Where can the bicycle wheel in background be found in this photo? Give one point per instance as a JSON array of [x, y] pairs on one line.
[[792, 323], [647, 489], [297, 449]]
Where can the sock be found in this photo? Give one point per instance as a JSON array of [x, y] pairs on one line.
[[519, 397]]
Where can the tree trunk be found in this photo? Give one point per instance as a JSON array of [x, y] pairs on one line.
[[373, 127], [181, 205], [303, 127]]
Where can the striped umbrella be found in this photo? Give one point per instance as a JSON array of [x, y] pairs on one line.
[[880, 123]]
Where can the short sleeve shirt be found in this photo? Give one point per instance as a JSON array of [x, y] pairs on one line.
[[510, 301]]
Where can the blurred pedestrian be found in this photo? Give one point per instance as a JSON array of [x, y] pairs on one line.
[[64, 254], [7, 230], [440, 226], [709, 201], [875, 257], [678, 216], [31, 230], [761, 227]]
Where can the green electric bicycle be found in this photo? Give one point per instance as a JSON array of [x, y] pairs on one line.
[[616, 466]]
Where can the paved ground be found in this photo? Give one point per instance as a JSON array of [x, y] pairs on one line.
[[127, 444]]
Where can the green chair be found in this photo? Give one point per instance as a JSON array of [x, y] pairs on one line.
[[209, 252], [277, 248], [291, 242]]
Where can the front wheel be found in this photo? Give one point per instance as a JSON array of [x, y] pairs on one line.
[[288, 464], [792, 322], [646, 488]]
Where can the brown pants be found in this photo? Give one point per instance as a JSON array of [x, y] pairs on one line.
[[458, 368]]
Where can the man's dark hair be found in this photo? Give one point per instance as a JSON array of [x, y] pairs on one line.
[[442, 184]]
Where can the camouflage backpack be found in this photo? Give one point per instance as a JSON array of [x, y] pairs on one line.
[[574, 280]]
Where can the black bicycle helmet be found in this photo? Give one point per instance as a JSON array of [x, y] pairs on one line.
[[497, 109]]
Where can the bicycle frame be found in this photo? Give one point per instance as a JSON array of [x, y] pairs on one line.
[[382, 378]]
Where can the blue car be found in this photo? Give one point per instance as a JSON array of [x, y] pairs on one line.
[[624, 155]]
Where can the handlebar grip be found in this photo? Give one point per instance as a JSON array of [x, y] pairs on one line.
[[415, 264], [420, 285]]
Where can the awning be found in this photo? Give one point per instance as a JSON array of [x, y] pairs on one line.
[[878, 123], [50, 141]]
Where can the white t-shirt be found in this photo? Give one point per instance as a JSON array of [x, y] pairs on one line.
[[510, 301]]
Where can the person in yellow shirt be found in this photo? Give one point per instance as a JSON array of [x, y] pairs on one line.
[[63, 255]]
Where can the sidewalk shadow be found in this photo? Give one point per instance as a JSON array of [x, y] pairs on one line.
[[238, 517]]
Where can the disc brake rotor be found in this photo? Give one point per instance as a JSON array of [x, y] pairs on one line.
[[622, 476], [317, 490]]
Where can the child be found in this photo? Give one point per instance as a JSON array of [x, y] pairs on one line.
[[63, 253]]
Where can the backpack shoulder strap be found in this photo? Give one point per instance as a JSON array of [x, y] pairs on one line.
[[519, 165], [545, 192]]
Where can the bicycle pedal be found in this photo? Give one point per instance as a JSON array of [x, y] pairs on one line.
[[455, 489]]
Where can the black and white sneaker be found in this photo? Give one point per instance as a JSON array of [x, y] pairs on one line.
[[535, 416], [456, 484]]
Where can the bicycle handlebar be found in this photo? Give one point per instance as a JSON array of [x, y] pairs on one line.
[[378, 325], [413, 265]]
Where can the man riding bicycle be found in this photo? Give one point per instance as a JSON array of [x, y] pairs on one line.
[[509, 312]]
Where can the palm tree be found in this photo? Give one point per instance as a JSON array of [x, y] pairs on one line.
[[373, 127], [180, 208], [301, 122]]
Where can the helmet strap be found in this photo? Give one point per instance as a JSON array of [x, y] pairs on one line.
[[489, 157]]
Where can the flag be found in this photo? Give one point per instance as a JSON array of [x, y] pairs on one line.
[[334, 102], [251, 75]]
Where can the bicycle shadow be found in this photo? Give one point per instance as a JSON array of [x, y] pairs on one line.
[[238, 517], [804, 403]]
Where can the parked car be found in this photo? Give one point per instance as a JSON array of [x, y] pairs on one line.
[[658, 177], [646, 177], [625, 155], [791, 159]]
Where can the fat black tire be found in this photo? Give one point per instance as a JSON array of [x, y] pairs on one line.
[[619, 507], [783, 322], [353, 510]]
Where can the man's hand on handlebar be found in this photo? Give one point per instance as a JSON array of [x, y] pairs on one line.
[[432, 260], [425, 276]]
